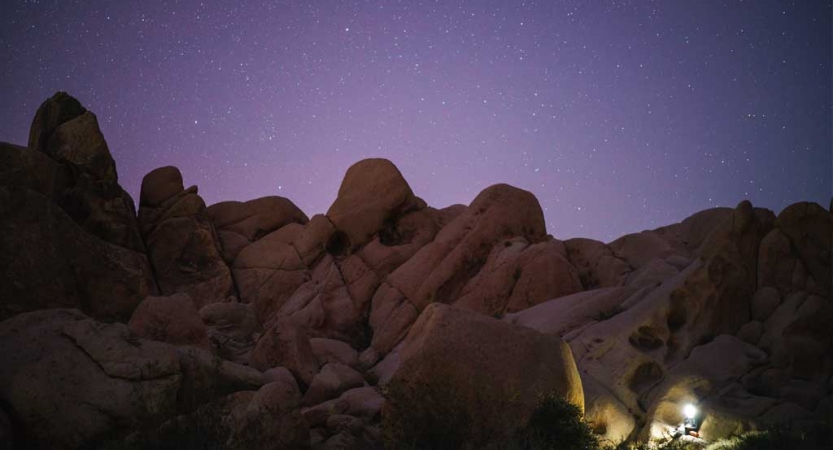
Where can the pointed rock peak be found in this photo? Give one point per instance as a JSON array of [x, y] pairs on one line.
[[160, 185], [54, 112], [67, 132], [372, 194]]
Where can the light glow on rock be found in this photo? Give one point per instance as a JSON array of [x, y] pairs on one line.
[[689, 411]]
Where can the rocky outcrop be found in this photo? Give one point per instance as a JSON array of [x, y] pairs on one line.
[[250, 326], [86, 185], [286, 344], [66, 219], [238, 224], [180, 239], [70, 381], [232, 329], [714, 334], [372, 195], [171, 319], [39, 242], [456, 362], [439, 271]]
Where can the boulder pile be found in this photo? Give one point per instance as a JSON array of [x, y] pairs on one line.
[[255, 326]]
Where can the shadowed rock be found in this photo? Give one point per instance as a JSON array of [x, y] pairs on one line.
[[181, 242]]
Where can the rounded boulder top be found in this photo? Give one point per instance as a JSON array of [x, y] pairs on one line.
[[160, 185], [372, 193]]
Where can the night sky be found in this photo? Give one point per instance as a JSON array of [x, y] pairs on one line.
[[619, 116]]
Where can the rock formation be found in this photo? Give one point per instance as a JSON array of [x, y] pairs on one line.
[[251, 324]]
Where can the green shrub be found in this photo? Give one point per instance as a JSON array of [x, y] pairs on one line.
[[555, 424], [434, 423], [780, 437]]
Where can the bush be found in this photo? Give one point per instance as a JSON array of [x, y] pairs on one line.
[[438, 425], [780, 437], [555, 424]]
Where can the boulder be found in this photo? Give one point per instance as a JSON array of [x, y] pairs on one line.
[[80, 142], [280, 395], [172, 319], [52, 113], [651, 274], [332, 351], [269, 270], [363, 402], [69, 381], [604, 413], [240, 223], [751, 332], [458, 365], [281, 375], [717, 297], [334, 303], [809, 228], [639, 249], [207, 377], [27, 168], [160, 185], [232, 329], [701, 379], [332, 381], [84, 181], [180, 239], [518, 275], [597, 266], [372, 194], [38, 242], [561, 316], [439, 271], [545, 274], [286, 344], [688, 235], [399, 241]]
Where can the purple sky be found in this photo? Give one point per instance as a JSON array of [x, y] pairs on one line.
[[619, 116]]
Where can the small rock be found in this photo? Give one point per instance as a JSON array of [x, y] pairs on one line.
[[172, 319], [333, 379]]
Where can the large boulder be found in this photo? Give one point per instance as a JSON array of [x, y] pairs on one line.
[[517, 276], [232, 329], [68, 381], [332, 351], [87, 183], [240, 223], [334, 303], [39, 242], [180, 239], [172, 319], [458, 365], [717, 297], [439, 271], [809, 227], [598, 266], [701, 379], [688, 235], [372, 194], [286, 344], [638, 249], [271, 269]]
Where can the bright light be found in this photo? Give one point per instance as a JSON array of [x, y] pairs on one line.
[[689, 411]]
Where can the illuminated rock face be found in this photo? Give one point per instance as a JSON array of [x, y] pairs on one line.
[[728, 310], [737, 332]]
